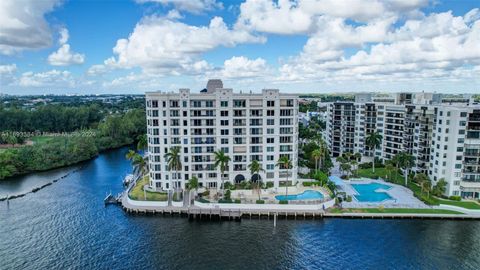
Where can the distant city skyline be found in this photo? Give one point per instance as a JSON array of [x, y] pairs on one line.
[[305, 46]]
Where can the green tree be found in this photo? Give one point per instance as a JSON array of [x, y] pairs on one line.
[[440, 188], [285, 163], [421, 179], [389, 168], [174, 163], [316, 155], [255, 168], [221, 162], [406, 162], [142, 143], [193, 183], [346, 167], [373, 141]]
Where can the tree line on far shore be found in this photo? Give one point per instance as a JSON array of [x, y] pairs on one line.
[[96, 133]]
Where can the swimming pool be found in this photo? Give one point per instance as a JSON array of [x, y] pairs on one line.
[[306, 195], [370, 192]]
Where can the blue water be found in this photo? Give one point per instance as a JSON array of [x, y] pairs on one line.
[[66, 226], [306, 195], [370, 193]]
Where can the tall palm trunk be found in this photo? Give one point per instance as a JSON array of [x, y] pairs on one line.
[[373, 163], [406, 176], [286, 186]]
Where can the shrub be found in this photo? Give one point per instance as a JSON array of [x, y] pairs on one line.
[[283, 202], [269, 184], [260, 201], [202, 200], [349, 198], [229, 186], [455, 198], [227, 195], [225, 201], [238, 201], [206, 193]]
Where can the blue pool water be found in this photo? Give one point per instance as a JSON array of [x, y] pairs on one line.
[[306, 195], [370, 193]]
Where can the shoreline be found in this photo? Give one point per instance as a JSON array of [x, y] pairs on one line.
[[64, 166], [38, 188]]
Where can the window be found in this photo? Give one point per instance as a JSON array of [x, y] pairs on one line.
[[270, 103], [458, 166], [223, 113], [224, 132], [224, 103], [270, 122], [463, 114], [270, 140]]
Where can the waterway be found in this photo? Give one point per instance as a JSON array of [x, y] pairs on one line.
[[66, 226]]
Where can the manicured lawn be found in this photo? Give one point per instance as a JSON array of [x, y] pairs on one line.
[[137, 192], [468, 205], [394, 211]]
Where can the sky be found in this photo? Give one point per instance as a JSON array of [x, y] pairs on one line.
[[302, 46]]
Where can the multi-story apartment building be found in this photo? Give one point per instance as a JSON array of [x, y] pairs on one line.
[[246, 126], [443, 135]]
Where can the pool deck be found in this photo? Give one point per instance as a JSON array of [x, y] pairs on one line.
[[402, 196]]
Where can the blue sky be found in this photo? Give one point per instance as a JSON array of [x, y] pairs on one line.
[[317, 46]]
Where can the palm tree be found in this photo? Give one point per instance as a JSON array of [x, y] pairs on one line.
[[316, 154], [255, 168], [142, 142], [130, 154], [221, 161], [193, 183], [396, 161], [406, 161], [346, 167], [174, 162], [286, 163], [421, 178], [373, 141], [389, 168], [140, 164]]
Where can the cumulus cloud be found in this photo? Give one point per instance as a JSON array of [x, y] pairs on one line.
[[52, 78], [64, 56], [7, 74], [242, 67], [160, 45], [299, 17], [23, 25], [436, 46], [193, 6]]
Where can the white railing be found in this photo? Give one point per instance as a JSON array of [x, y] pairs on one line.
[[273, 207]]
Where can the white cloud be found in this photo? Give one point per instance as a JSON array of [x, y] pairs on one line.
[[63, 56], [161, 45], [193, 6], [242, 67], [23, 25], [7, 74], [52, 78], [64, 36], [438, 46], [299, 17]]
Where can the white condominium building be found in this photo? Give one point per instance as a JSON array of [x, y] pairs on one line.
[[442, 134], [246, 126]]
